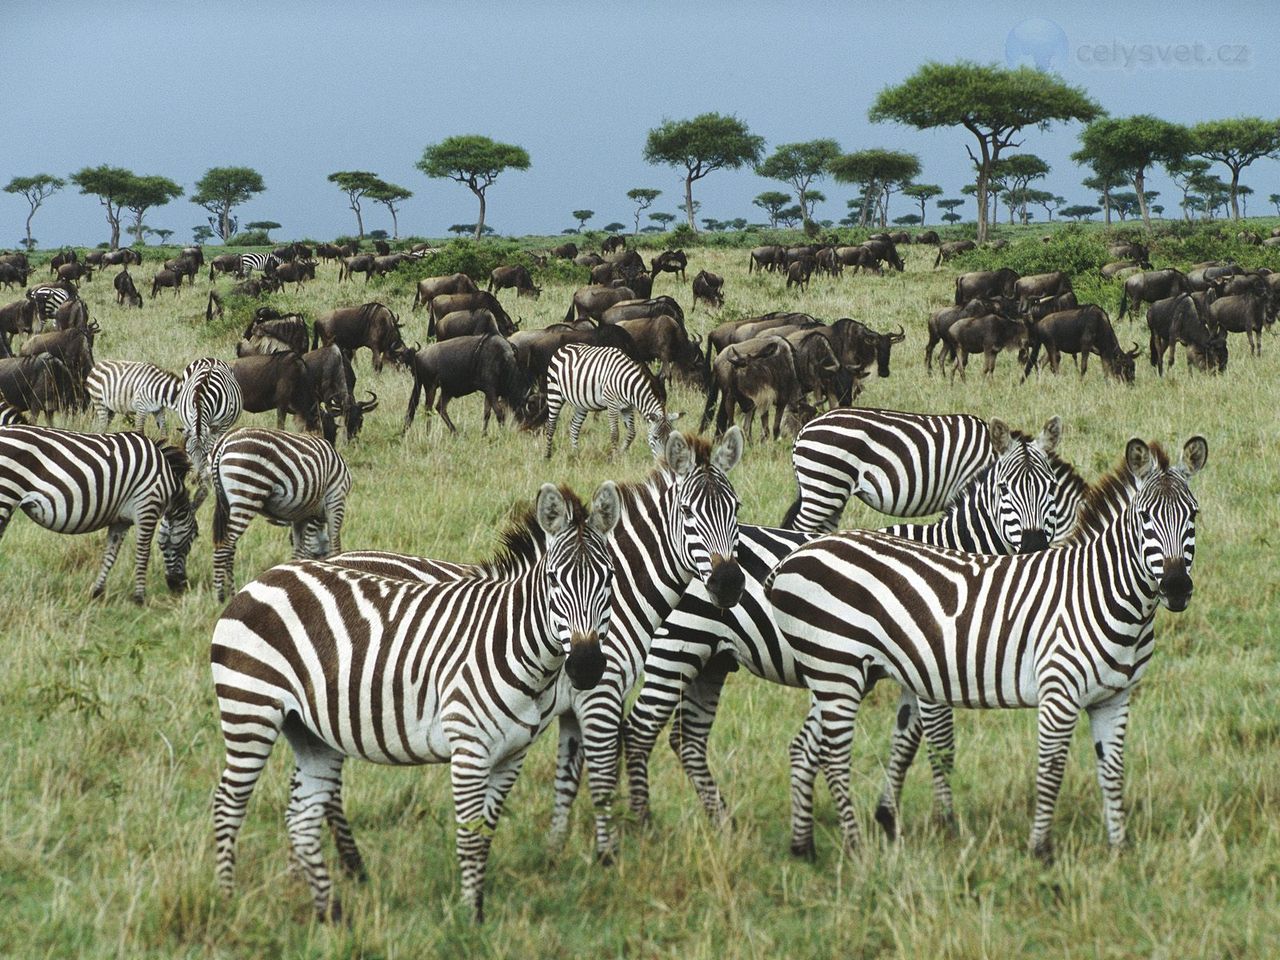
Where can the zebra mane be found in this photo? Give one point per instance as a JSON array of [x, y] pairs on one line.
[[1106, 499], [523, 543], [176, 459], [1064, 473]]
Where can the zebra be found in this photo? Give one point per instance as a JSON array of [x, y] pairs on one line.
[[10, 415], [136, 389], [589, 378], [209, 403], [1064, 631], [1006, 508], [678, 525], [49, 297], [264, 262], [288, 478], [465, 672], [81, 482]]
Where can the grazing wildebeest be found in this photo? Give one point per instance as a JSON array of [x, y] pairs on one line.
[[464, 365], [466, 323], [1150, 286], [1080, 331], [446, 303], [328, 252], [588, 259], [988, 334], [371, 325], [799, 272], [1243, 313], [565, 251], [884, 250], [664, 338], [652, 307], [982, 284], [1175, 320], [669, 261], [1129, 250], [768, 257], [20, 316], [12, 275], [271, 332], [295, 272], [859, 258], [292, 251], [431, 287], [1203, 276], [184, 267], [949, 250], [34, 385], [361, 263], [335, 384], [75, 272], [73, 348], [613, 242], [1034, 310], [818, 368], [165, 278], [125, 290], [594, 301], [640, 284], [382, 265], [1036, 286], [826, 261], [709, 288], [739, 331], [928, 236], [517, 275], [63, 256], [279, 382], [224, 263], [1118, 268], [754, 375], [122, 257]]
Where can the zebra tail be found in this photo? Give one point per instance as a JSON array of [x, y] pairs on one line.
[[221, 510], [792, 514]]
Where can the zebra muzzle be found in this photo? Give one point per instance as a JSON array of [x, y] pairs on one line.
[[585, 664], [726, 581], [1033, 541], [1175, 585]]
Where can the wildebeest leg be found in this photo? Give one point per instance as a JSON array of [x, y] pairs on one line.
[[1055, 359], [443, 408], [990, 367], [115, 537], [413, 404]]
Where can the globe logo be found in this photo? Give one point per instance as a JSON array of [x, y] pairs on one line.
[[1037, 42]]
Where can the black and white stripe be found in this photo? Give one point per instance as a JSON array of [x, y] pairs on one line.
[[1008, 507], [209, 403], [265, 263], [465, 672], [679, 525], [1065, 630], [79, 483], [132, 388], [49, 297], [588, 378], [291, 479], [10, 415]]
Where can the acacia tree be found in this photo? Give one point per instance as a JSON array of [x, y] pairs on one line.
[[613, 227], [356, 184], [662, 219], [922, 193], [266, 226], [221, 190], [582, 216], [800, 164], [1184, 173], [1134, 144], [993, 103], [643, 198], [772, 202], [391, 195], [1236, 142], [473, 161], [950, 205], [145, 193], [878, 173], [707, 143], [1275, 200], [36, 190], [1080, 211], [111, 186], [1014, 174]]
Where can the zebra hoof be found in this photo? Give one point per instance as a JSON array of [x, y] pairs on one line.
[[605, 858], [804, 851], [332, 913], [888, 820], [96, 593], [1043, 851], [948, 824]]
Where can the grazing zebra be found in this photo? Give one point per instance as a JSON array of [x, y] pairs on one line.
[[288, 478], [209, 403], [10, 415], [678, 525], [1064, 631], [49, 297], [138, 390], [465, 672], [589, 378], [1006, 508], [82, 482], [264, 262]]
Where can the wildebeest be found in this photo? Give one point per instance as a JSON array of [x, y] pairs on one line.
[[486, 364], [768, 257], [361, 263], [1119, 268], [640, 284], [709, 288], [431, 287], [818, 368], [1130, 250], [799, 271], [446, 303], [271, 332], [1150, 286], [195, 254], [466, 323], [754, 375], [739, 331], [669, 261], [988, 334], [1034, 310], [1036, 286], [165, 278], [34, 385], [1212, 274], [224, 263], [73, 313], [73, 348], [826, 261], [588, 259], [75, 272], [928, 236], [565, 251], [1175, 320], [12, 275], [664, 338], [382, 265], [328, 252], [981, 284], [516, 275], [279, 382], [125, 290], [949, 250], [122, 257], [593, 301], [63, 256], [651, 307], [859, 258], [21, 316], [335, 384], [184, 267], [295, 272], [292, 251], [857, 345], [885, 251], [613, 242], [371, 325], [1243, 313], [1080, 331], [382, 248]]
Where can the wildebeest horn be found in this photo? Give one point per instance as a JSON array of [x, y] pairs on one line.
[[333, 405], [899, 336], [368, 405]]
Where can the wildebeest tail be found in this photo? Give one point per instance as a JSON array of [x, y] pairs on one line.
[[1124, 304], [713, 390]]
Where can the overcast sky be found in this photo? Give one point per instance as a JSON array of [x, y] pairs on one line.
[[298, 90]]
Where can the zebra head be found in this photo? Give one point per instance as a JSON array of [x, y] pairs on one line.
[[578, 572], [178, 530], [1021, 485], [703, 526], [660, 429], [1162, 516]]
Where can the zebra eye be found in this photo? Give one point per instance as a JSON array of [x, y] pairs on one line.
[[686, 510]]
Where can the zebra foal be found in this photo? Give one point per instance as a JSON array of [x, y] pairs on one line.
[[137, 390]]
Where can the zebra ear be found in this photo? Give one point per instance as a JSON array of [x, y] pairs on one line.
[[1050, 435], [606, 508], [729, 451], [679, 456], [552, 512], [1137, 456], [1000, 436], [1194, 454]]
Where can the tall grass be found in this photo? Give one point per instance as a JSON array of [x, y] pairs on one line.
[[110, 746]]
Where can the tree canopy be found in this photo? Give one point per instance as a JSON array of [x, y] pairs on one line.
[[36, 190], [995, 104], [145, 193], [582, 216], [922, 193], [474, 161], [1133, 144], [391, 195], [643, 198], [878, 173], [111, 186], [800, 164], [1236, 142], [221, 190], [708, 142], [356, 184], [772, 202]]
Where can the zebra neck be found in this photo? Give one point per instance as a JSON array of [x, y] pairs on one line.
[[534, 645], [963, 527], [650, 575], [1115, 577]]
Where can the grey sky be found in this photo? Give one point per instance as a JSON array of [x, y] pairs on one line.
[[298, 90]]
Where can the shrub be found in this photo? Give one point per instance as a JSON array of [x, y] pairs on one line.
[[1070, 249], [250, 238]]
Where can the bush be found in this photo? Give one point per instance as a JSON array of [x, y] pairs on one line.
[[477, 260], [1070, 249], [684, 236], [250, 238]]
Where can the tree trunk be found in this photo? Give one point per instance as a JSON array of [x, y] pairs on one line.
[[688, 202], [1139, 181], [137, 228], [984, 174], [359, 220], [224, 221], [29, 216], [114, 220], [480, 221], [1106, 206], [395, 224], [1235, 185]]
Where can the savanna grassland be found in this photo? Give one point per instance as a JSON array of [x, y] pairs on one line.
[[109, 745]]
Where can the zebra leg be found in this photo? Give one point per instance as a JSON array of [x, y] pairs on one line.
[[804, 769], [470, 777], [568, 775], [601, 718], [691, 729], [145, 533], [101, 418], [317, 780], [838, 714], [906, 741], [629, 418], [553, 414], [1055, 720], [667, 674], [298, 540], [249, 740], [575, 427], [115, 537], [334, 512], [938, 721], [224, 548], [343, 838], [613, 415], [1108, 722]]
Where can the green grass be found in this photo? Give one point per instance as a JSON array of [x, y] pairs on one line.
[[110, 748]]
